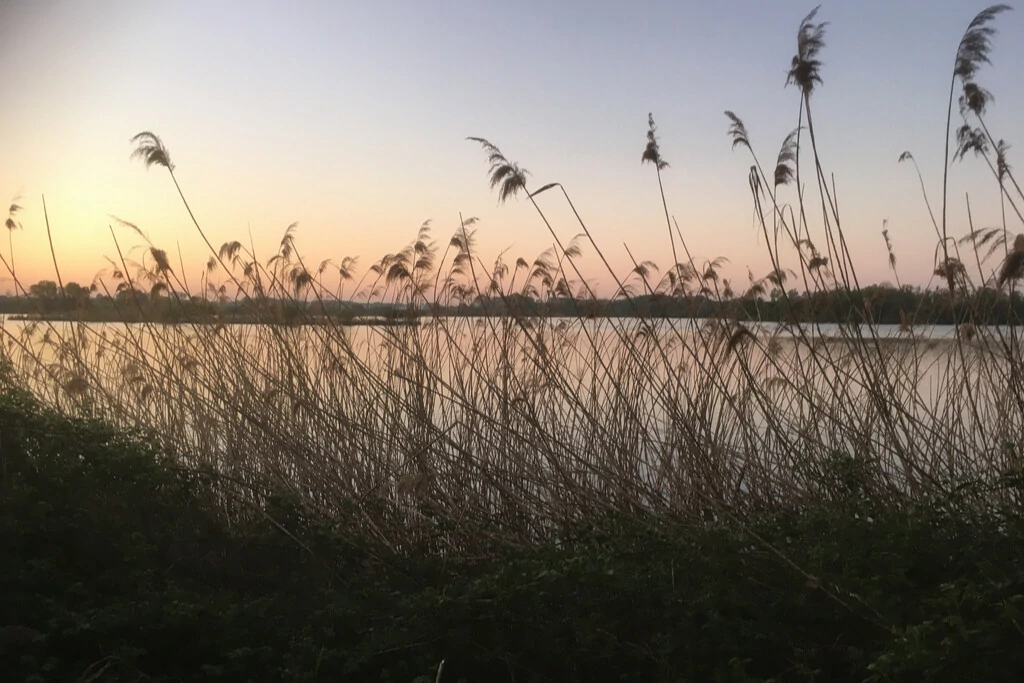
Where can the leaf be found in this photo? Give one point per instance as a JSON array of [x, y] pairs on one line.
[[545, 188]]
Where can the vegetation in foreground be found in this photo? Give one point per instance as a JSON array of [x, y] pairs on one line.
[[118, 565]]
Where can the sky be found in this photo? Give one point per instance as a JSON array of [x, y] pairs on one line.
[[350, 119]]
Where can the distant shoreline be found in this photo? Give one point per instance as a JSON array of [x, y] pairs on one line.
[[226, 320]]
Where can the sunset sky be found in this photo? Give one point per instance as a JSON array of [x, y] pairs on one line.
[[350, 118]]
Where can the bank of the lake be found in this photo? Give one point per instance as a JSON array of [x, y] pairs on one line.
[[119, 564]]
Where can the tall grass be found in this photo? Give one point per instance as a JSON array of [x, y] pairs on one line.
[[461, 430]]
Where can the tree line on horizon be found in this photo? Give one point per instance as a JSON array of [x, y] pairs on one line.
[[883, 304]]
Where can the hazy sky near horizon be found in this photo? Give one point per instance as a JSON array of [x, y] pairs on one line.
[[350, 118]]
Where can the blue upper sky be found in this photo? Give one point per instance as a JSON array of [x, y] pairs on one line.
[[350, 117]]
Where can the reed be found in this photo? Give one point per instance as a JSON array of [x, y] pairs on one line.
[[465, 430]]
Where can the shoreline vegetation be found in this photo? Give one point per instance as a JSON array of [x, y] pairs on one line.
[[122, 565], [870, 305], [217, 319], [673, 495]]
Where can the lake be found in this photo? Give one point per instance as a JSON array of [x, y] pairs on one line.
[[629, 406]]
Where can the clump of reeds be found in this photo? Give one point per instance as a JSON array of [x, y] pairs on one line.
[[513, 425]]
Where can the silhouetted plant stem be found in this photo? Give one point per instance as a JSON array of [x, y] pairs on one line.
[[668, 221], [53, 254]]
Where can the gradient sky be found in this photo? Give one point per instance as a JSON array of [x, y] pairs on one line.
[[350, 117]]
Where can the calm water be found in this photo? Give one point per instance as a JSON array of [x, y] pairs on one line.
[[596, 387]]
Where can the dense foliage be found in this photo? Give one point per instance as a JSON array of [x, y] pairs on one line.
[[118, 565]]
